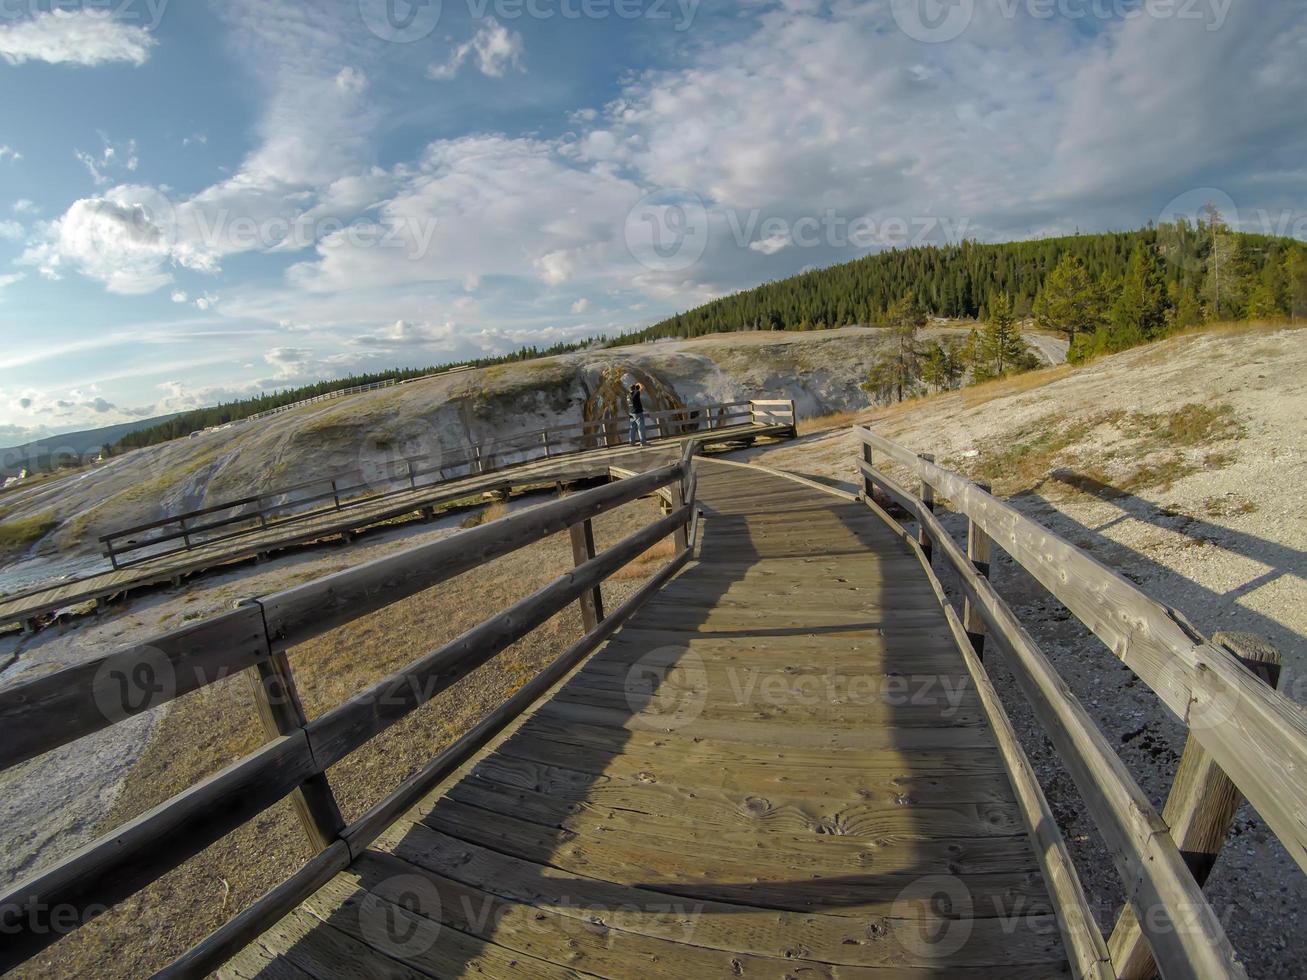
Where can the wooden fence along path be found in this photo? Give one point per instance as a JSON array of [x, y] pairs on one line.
[[182, 544], [782, 756]]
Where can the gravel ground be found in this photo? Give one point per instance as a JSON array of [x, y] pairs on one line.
[[1224, 542]]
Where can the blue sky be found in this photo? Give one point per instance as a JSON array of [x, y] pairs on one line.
[[200, 200]]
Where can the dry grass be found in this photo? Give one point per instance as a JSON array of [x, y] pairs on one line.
[[486, 515], [648, 563], [208, 730], [836, 420], [1143, 449], [18, 534]]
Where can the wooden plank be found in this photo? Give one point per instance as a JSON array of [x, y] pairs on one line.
[[1256, 735], [730, 927]]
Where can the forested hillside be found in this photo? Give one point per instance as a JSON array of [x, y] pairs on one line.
[[1171, 276]]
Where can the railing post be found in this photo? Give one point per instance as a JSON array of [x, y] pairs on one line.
[[281, 713], [548, 451], [186, 537], [335, 494], [476, 453], [583, 549], [979, 549], [868, 487], [928, 499], [1199, 811]]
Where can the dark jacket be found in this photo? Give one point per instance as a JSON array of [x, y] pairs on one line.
[[637, 406]]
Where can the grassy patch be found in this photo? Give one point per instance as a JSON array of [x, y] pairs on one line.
[[492, 513], [1113, 453], [17, 535]]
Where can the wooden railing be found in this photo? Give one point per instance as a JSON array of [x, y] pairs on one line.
[[43, 714], [179, 533], [1245, 737]]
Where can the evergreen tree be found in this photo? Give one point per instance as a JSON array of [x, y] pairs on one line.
[[1139, 312], [1001, 348], [895, 370], [942, 364], [1070, 300]]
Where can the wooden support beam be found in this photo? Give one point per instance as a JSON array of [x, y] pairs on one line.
[[583, 549], [927, 498], [280, 710], [868, 485], [1200, 811], [979, 550], [680, 536]]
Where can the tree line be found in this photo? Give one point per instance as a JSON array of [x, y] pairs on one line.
[[1107, 291], [242, 408]]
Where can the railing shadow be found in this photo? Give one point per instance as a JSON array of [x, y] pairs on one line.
[[1211, 607]]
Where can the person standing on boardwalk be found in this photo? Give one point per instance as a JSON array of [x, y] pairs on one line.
[[637, 416]]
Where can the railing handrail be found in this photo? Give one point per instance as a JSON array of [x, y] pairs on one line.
[[397, 471], [53, 710], [1251, 731]]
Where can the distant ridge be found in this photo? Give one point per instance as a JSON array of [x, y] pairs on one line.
[[41, 454]]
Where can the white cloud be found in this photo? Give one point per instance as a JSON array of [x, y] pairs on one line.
[[494, 47], [179, 296], [9, 153], [25, 206], [126, 239], [207, 302], [12, 231], [194, 138], [582, 305], [404, 333], [114, 156], [352, 81], [76, 37], [8, 280]]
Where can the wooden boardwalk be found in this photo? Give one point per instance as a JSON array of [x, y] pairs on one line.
[[356, 516], [779, 766]]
